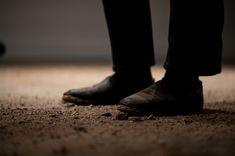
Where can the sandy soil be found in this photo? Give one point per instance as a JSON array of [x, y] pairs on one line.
[[33, 120]]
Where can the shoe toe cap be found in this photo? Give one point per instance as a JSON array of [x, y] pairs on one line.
[[133, 101], [124, 101], [72, 92]]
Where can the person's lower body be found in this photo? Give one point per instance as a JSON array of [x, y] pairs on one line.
[[195, 47], [130, 30]]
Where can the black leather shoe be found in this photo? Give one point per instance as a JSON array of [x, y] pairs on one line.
[[109, 91], [162, 99]]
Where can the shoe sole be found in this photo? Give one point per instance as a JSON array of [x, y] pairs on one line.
[[71, 99], [163, 112]]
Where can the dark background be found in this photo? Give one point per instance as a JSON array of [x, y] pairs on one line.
[[74, 31]]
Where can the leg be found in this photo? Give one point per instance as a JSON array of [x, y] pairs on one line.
[[130, 30], [129, 27], [195, 37], [195, 46]]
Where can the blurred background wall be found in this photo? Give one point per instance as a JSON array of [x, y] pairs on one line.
[[74, 31]]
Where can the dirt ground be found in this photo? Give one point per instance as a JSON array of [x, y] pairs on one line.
[[34, 121]]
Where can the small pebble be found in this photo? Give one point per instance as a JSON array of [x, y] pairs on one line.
[[136, 119], [187, 122], [150, 117], [53, 116], [106, 114], [122, 116], [80, 129]]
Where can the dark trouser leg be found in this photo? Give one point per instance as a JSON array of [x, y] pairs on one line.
[[130, 32], [129, 25], [195, 37]]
